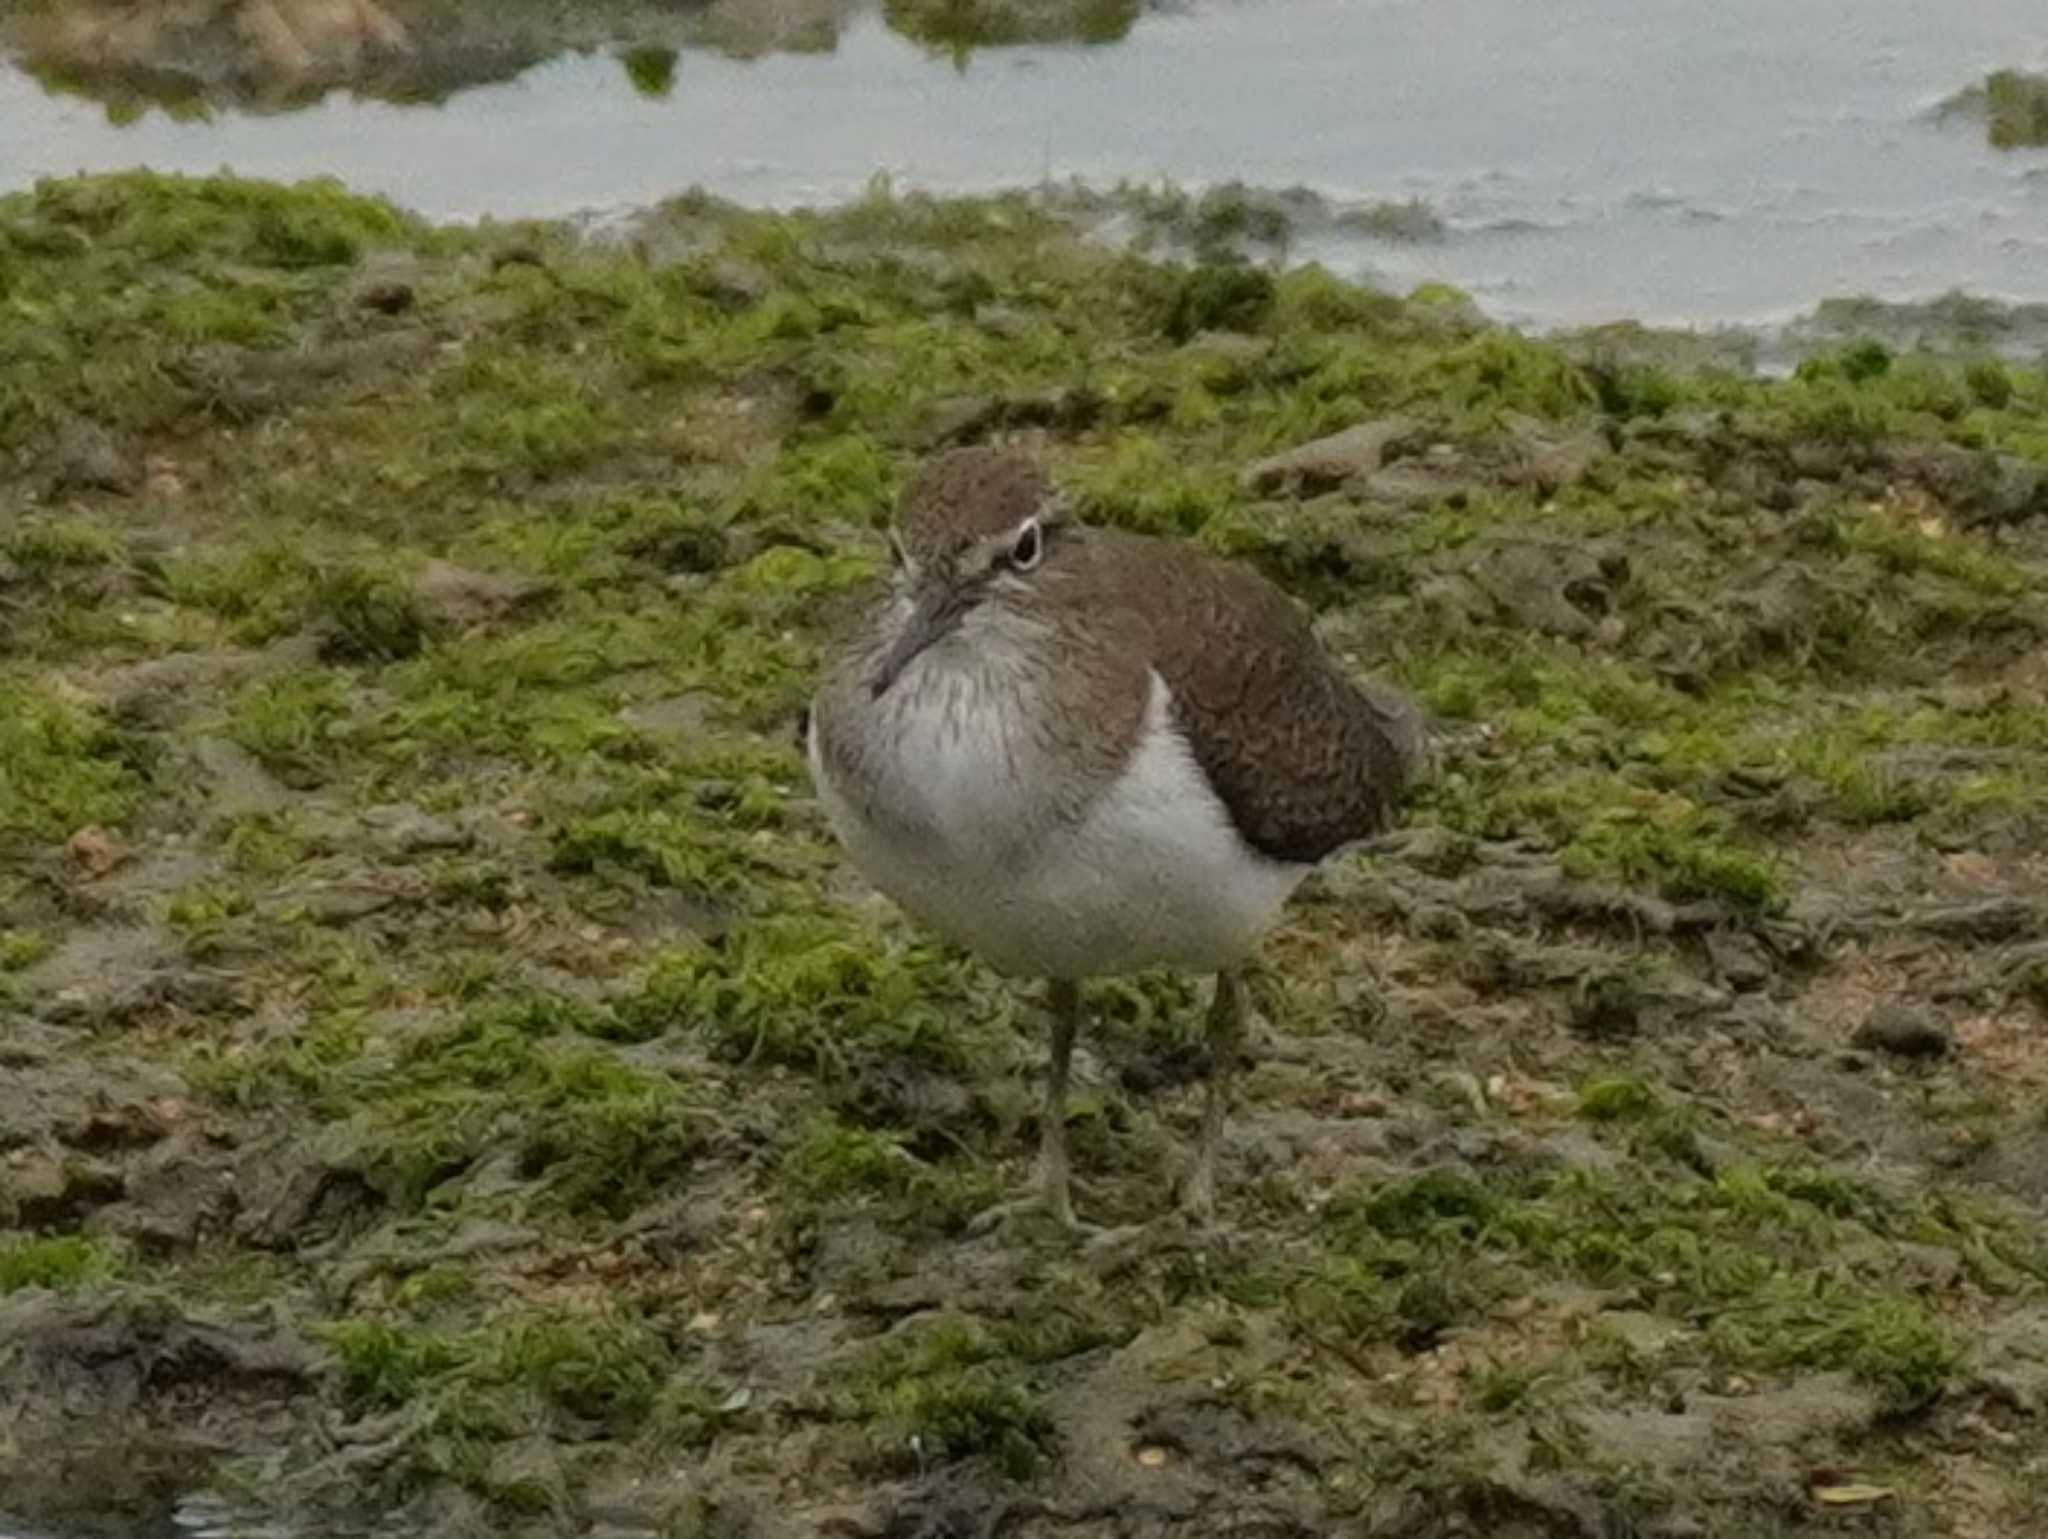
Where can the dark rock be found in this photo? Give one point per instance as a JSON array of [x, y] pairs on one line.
[[1555, 587], [1906, 1031], [1328, 462], [2017, 489], [83, 457], [1754, 1017], [408, 830], [292, 1189], [462, 597], [173, 1195], [335, 903], [387, 298], [110, 1474], [1539, 457], [119, 1349], [238, 785], [517, 256], [1441, 475], [108, 1126], [1742, 963], [1978, 486], [39, 1190]]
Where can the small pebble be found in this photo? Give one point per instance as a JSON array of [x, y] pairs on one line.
[[1904, 1030]]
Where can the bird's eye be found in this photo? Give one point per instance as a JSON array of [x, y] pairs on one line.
[[1028, 546]]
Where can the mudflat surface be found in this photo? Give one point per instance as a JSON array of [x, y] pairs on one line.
[[450, 1078]]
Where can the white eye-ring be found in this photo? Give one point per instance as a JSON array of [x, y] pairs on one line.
[[1028, 547]]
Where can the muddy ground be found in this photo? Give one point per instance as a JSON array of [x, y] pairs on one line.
[[450, 1077]]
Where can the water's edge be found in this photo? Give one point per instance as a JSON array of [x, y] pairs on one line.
[[1610, 162]]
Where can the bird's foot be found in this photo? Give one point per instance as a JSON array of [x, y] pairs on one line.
[[1103, 1247], [1108, 1249], [1198, 1197], [1196, 1206], [1034, 1204], [1100, 1244]]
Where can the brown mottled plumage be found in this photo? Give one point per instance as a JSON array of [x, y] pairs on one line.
[[1078, 751], [1303, 758]]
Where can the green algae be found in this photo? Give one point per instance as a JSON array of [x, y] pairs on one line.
[[959, 26], [524, 1372], [1422, 1256], [59, 1262], [651, 69], [944, 1394], [2013, 104], [22, 948], [61, 768], [287, 724], [804, 994], [570, 1062]]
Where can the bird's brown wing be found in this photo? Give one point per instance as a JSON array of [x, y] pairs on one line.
[[1304, 760]]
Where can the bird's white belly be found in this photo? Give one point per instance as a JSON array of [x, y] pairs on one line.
[[1150, 872]]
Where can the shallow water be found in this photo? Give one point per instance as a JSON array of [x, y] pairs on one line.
[[1593, 159]]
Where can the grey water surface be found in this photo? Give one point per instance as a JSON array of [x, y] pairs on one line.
[[1591, 160]]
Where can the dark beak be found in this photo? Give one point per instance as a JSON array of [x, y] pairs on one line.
[[938, 609]]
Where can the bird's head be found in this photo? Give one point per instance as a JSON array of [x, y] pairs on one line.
[[972, 524]]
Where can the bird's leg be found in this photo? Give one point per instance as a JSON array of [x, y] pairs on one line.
[[1226, 1040], [1050, 1193], [1065, 998]]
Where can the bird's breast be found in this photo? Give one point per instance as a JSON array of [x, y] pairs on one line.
[[954, 760]]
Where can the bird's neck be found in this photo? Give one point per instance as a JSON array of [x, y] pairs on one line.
[[997, 652]]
